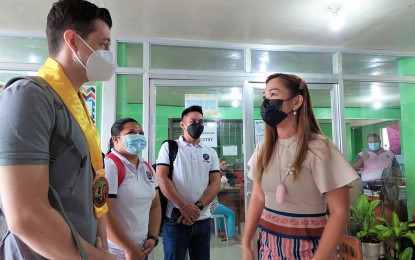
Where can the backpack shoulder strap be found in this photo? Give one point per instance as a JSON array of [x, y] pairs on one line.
[[120, 167], [149, 167], [173, 149], [62, 126]]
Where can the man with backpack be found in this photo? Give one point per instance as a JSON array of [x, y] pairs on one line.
[[52, 188], [194, 182]]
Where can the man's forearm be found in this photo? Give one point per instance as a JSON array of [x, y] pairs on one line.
[[211, 191], [102, 231], [48, 234], [170, 192], [358, 164]]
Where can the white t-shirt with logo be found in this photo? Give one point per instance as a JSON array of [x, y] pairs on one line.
[[134, 198], [192, 169]]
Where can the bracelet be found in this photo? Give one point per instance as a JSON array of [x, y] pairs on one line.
[[183, 206]]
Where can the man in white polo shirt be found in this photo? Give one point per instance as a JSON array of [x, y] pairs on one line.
[[194, 184]]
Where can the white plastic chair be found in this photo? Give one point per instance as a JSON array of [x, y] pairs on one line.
[[215, 216]]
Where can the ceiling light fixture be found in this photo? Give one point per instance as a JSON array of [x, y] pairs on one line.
[[336, 20], [377, 105]]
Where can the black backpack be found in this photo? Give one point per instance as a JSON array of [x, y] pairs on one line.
[[173, 149]]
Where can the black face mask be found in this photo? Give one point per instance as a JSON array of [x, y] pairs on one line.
[[271, 111], [195, 130]]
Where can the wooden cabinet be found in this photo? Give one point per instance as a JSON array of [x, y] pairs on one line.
[[233, 198]]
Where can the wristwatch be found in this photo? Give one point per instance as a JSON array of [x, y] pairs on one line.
[[156, 239], [199, 204]]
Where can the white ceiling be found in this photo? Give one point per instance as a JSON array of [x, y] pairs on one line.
[[369, 24]]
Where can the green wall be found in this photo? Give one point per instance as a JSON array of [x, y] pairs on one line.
[[407, 94], [355, 138], [98, 105]]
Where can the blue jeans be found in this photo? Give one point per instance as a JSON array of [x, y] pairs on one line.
[[230, 219], [178, 238]]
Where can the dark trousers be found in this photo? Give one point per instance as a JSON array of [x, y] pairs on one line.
[[179, 238]]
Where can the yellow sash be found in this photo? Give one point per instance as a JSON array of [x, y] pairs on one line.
[[53, 73]]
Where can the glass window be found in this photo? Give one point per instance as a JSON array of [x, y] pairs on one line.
[[130, 97], [382, 135], [268, 61], [193, 58], [91, 92], [6, 75], [378, 65], [130, 54], [321, 101], [23, 49]]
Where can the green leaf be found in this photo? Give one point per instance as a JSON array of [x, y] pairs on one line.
[[373, 204], [412, 224], [410, 235], [383, 220], [406, 254], [361, 234], [397, 245], [364, 226], [362, 205], [395, 220], [396, 231], [384, 235]]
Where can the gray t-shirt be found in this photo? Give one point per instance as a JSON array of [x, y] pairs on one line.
[[27, 120]]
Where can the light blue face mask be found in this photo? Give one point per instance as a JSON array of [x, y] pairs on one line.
[[134, 144], [374, 146]]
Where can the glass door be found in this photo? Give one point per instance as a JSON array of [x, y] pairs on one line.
[[322, 99], [223, 116]]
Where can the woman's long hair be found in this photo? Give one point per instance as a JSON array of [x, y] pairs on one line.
[[308, 128]]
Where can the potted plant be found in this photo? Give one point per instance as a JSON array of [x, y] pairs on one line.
[[395, 233], [363, 221]]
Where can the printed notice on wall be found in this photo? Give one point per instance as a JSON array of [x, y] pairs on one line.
[[230, 150], [208, 102], [259, 130], [210, 134]]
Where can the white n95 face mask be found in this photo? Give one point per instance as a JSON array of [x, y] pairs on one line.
[[100, 65]]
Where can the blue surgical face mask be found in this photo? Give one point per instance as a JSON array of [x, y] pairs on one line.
[[135, 143], [374, 146]]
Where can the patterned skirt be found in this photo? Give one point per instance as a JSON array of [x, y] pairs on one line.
[[288, 236]]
